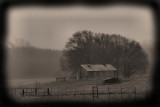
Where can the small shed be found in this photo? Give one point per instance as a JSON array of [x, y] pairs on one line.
[[98, 71], [63, 76]]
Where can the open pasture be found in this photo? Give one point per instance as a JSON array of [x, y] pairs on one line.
[[129, 89]]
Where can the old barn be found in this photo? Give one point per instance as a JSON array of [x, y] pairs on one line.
[[92, 71]]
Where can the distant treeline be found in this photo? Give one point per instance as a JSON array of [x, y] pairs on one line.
[[31, 62], [26, 61]]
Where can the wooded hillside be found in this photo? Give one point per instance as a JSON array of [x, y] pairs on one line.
[[30, 62]]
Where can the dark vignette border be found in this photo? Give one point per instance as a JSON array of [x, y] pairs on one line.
[[152, 100]]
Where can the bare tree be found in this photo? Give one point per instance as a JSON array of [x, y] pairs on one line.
[[125, 54]]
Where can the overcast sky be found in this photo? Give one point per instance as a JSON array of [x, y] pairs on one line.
[[52, 27]]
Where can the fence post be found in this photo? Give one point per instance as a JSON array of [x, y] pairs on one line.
[[93, 92], [135, 92], [97, 93], [95, 87], [58, 89], [23, 92], [75, 92], [121, 94], [36, 91], [48, 91], [108, 94]]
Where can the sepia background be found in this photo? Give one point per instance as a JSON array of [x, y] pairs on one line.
[[37, 37]]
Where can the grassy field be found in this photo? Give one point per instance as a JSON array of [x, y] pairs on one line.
[[128, 89]]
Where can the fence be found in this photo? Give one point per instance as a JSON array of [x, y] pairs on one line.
[[92, 93]]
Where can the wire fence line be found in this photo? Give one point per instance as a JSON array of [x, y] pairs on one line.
[[93, 93]]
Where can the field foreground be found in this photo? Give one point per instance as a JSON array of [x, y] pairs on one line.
[[129, 89]]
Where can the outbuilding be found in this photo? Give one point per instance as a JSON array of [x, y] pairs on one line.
[[97, 71]]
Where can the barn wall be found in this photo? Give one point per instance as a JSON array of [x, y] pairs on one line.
[[101, 74], [95, 74]]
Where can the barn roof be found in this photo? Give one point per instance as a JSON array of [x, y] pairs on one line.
[[110, 67], [98, 67]]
